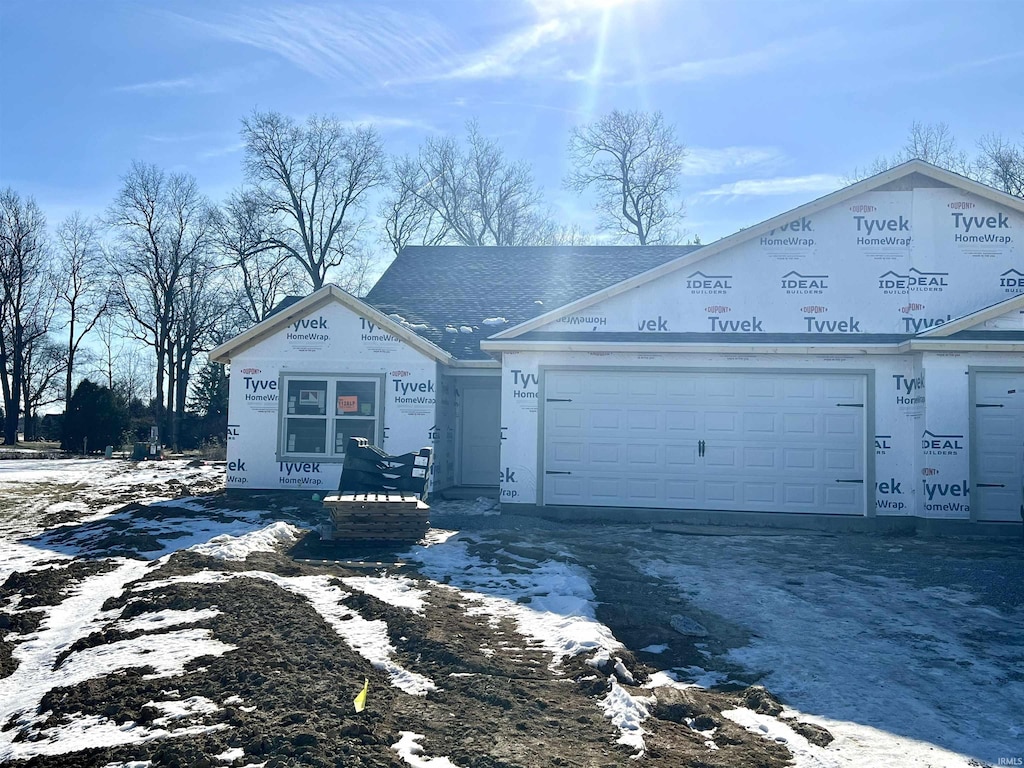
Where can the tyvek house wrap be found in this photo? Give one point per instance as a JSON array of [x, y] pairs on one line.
[[895, 263], [331, 340]]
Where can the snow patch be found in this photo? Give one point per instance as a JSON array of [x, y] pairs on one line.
[[412, 753], [627, 712], [237, 548]]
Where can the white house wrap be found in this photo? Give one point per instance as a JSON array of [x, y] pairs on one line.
[[858, 357]]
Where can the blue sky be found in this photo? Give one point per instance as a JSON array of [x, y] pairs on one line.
[[777, 101]]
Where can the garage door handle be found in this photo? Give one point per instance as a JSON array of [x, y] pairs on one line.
[[850, 481], [700, 447], [988, 405], [989, 485], [556, 472], [849, 405], [559, 399]]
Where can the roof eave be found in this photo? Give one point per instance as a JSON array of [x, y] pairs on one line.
[[262, 330]]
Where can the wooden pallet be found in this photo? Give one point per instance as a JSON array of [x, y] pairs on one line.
[[385, 516]]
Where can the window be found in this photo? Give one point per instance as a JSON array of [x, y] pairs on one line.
[[322, 412]]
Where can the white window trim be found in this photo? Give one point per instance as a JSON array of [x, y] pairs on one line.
[[329, 456]]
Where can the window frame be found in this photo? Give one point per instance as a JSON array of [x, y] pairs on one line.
[[329, 456]]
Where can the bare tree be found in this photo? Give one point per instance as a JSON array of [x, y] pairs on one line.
[[163, 229], [632, 161], [80, 285], [25, 302], [470, 195], [1001, 164], [263, 273], [45, 364], [932, 142], [313, 179]]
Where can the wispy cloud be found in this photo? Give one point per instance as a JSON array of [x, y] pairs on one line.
[[362, 43], [216, 81], [769, 56], [386, 122], [780, 185], [220, 151], [705, 161]]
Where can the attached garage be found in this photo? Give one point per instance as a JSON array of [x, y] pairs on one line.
[[998, 456], [709, 440]]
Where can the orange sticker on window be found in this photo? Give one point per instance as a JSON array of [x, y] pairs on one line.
[[348, 403]]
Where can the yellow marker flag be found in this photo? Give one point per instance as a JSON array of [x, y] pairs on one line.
[[360, 700]]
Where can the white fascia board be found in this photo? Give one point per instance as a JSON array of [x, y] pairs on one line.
[[808, 209], [974, 318], [315, 300], [474, 364], [655, 348], [964, 345]]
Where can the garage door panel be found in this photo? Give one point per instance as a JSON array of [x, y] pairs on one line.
[[799, 459], [640, 456], [770, 442], [643, 420], [720, 421], [799, 424], [998, 446], [841, 461], [681, 493], [759, 493], [721, 492], [568, 453], [606, 418], [680, 421], [605, 453], [760, 458], [568, 418]]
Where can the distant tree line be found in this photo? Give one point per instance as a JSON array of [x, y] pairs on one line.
[[116, 314]]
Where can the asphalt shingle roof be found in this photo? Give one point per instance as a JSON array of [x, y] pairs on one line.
[[447, 294]]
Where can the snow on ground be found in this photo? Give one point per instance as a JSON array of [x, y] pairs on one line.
[[76, 617], [900, 672], [902, 668], [411, 752], [237, 548], [551, 603]]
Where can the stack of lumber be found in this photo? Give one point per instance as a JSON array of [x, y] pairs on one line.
[[387, 516]]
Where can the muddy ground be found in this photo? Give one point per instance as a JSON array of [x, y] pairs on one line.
[[285, 694]]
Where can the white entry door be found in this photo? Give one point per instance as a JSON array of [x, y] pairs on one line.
[[480, 433], [998, 445], [771, 442]]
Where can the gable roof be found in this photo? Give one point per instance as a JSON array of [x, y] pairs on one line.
[[456, 296], [285, 313], [965, 324], [891, 176]]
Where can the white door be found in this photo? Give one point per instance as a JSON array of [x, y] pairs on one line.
[[771, 442], [480, 433], [998, 445]]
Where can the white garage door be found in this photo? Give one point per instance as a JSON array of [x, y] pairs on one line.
[[998, 445], [772, 442]]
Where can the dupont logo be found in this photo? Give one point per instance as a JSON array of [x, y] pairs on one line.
[[814, 309], [863, 208], [929, 471], [400, 374], [961, 205], [717, 309], [906, 309], [251, 371]]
